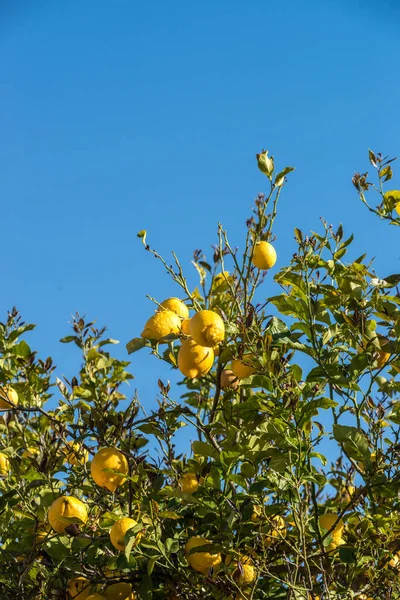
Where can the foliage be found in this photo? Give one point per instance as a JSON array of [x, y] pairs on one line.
[[324, 358]]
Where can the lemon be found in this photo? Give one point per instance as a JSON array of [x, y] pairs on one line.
[[345, 493], [243, 368], [120, 591], [245, 572], [30, 452], [201, 562], [96, 596], [185, 326], [79, 588], [65, 511], [118, 531], [194, 360], [229, 380], [177, 307], [164, 322], [326, 521], [75, 454], [8, 397], [4, 465], [207, 328], [189, 483], [105, 459], [277, 532], [264, 255], [221, 281]]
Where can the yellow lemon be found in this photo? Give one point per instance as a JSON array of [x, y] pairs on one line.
[[243, 368], [201, 562], [245, 572], [345, 493], [194, 360], [79, 588], [177, 306], [393, 196], [67, 510], [8, 397], [75, 454], [326, 521], [120, 591], [4, 465], [30, 452], [163, 323], [105, 459], [277, 531], [185, 326], [207, 328], [221, 281], [264, 255], [118, 531], [189, 483], [229, 380]]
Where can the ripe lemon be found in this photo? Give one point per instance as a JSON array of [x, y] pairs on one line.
[[326, 521], [243, 368], [277, 532], [345, 493], [185, 326], [164, 322], [194, 360], [120, 591], [177, 306], [118, 531], [189, 483], [4, 465], [229, 380], [65, 511], [264, 255], [109, 458], [75, 454], [8, 397], [201, 562], [79, 588], [207, 328], [30, 452], [245, 572]]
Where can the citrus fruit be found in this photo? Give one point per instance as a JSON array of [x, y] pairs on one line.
[[201, 561], [118, 531], [245, 572], [345, 493], [264, 255], [189, 483], [277, 531], [79, 588], [95, 596], [8, 397], [207, 328], [177, 306], [194, 360], [4, 465], [67, 510], [243, 368], [326, 521], [105, 459], [163, 323], [229, 380], [119, 591], [30, 452], [185, 326], [75, 454]]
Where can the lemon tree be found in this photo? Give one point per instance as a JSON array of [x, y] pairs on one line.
[[290, 486]]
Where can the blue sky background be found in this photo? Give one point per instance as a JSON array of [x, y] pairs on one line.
[[123, 116]]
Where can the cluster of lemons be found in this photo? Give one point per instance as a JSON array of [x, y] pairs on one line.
[[203, 333]]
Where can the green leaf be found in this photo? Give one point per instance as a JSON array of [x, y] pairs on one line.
[[204, 449], [145, 589], [280, 178], [347, 554], [21, 349], [151, 564], [135, 344], [142, 235], [354, 441]]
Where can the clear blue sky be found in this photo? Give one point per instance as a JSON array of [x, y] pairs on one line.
[[118, 116]]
